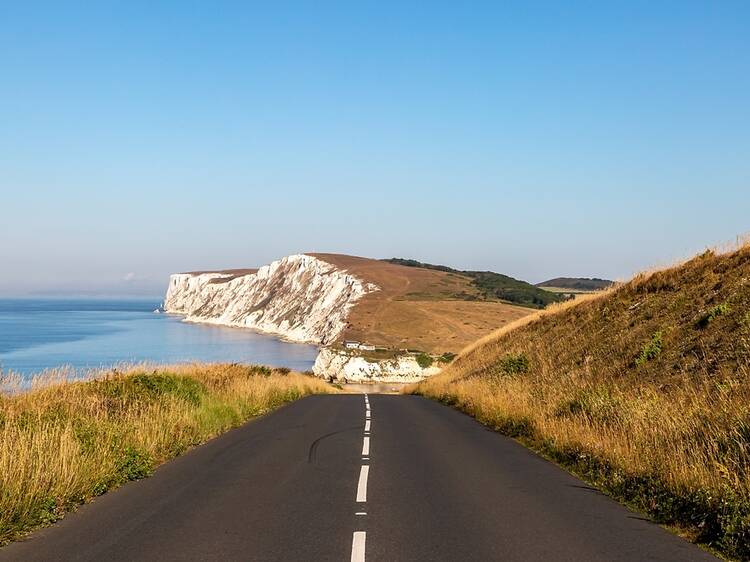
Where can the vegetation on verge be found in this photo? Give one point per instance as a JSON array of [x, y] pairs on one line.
[[643, 390], [489, 285], [66, 442]]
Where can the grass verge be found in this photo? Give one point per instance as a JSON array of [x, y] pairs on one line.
[[63, 443]]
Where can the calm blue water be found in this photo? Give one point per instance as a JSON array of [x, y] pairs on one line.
[[37, 334]]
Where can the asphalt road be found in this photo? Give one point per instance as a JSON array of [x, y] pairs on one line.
[[310, 482]]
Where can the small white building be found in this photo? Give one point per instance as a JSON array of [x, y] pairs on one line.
[[351, 344], [366, 347]]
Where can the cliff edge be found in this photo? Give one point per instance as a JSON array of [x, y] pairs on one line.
[[299, 297]]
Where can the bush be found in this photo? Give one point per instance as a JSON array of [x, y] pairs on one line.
[[713, 314], [424, 360], [447, 357], [150, 387], [513, 364], [134, 464], [651, 349]]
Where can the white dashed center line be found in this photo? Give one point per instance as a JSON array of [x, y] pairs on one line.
[[362, 485], [359, 537], [358, 546]]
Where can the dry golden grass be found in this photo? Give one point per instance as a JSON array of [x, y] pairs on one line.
[[62, 443], [416, 308], [644, 390]]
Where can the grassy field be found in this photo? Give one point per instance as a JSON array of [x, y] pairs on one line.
[[63, 443], [419, 308], [643, 390]]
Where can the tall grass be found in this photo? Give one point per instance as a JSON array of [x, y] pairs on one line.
[[62, 443], [644, 391]]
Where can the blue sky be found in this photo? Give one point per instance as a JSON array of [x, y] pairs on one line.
[[532, 138]]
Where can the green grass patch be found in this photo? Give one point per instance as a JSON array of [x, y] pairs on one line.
[[651, 349]]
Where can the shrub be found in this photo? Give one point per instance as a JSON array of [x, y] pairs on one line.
[[149, 387], [424, 360], [713, 314], [261, 370], [513, 364], [447, 357], [651, 349], [134, 464]]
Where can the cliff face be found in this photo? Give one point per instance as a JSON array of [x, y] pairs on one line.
[[299, 297], [338, 366]]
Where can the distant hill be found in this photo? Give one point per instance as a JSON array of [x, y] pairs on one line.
[[577, 283], [491, 286], [418, 308]]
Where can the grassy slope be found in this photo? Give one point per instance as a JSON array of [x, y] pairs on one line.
[[63, 444], [643, 390], [418, 309], [488, 285]]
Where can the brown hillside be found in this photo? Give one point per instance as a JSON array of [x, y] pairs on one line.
[[644, 390], [418, 308]]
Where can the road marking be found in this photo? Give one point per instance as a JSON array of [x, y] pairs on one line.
[[359, 538], [362, 485], [366, 446], [358, 546]]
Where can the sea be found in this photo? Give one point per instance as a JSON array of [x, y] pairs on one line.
[[92, 333]]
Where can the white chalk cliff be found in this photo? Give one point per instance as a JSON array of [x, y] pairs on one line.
[[339, 366], [300, 298]]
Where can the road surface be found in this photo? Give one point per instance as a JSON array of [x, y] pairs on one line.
[[315, 481]]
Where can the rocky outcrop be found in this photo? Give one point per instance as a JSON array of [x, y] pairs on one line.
[[300, 298], [340, 366]]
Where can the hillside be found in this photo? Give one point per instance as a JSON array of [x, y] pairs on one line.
[[577, 283], [490, 286], [642, 389], [328, 298], [418, 308]]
